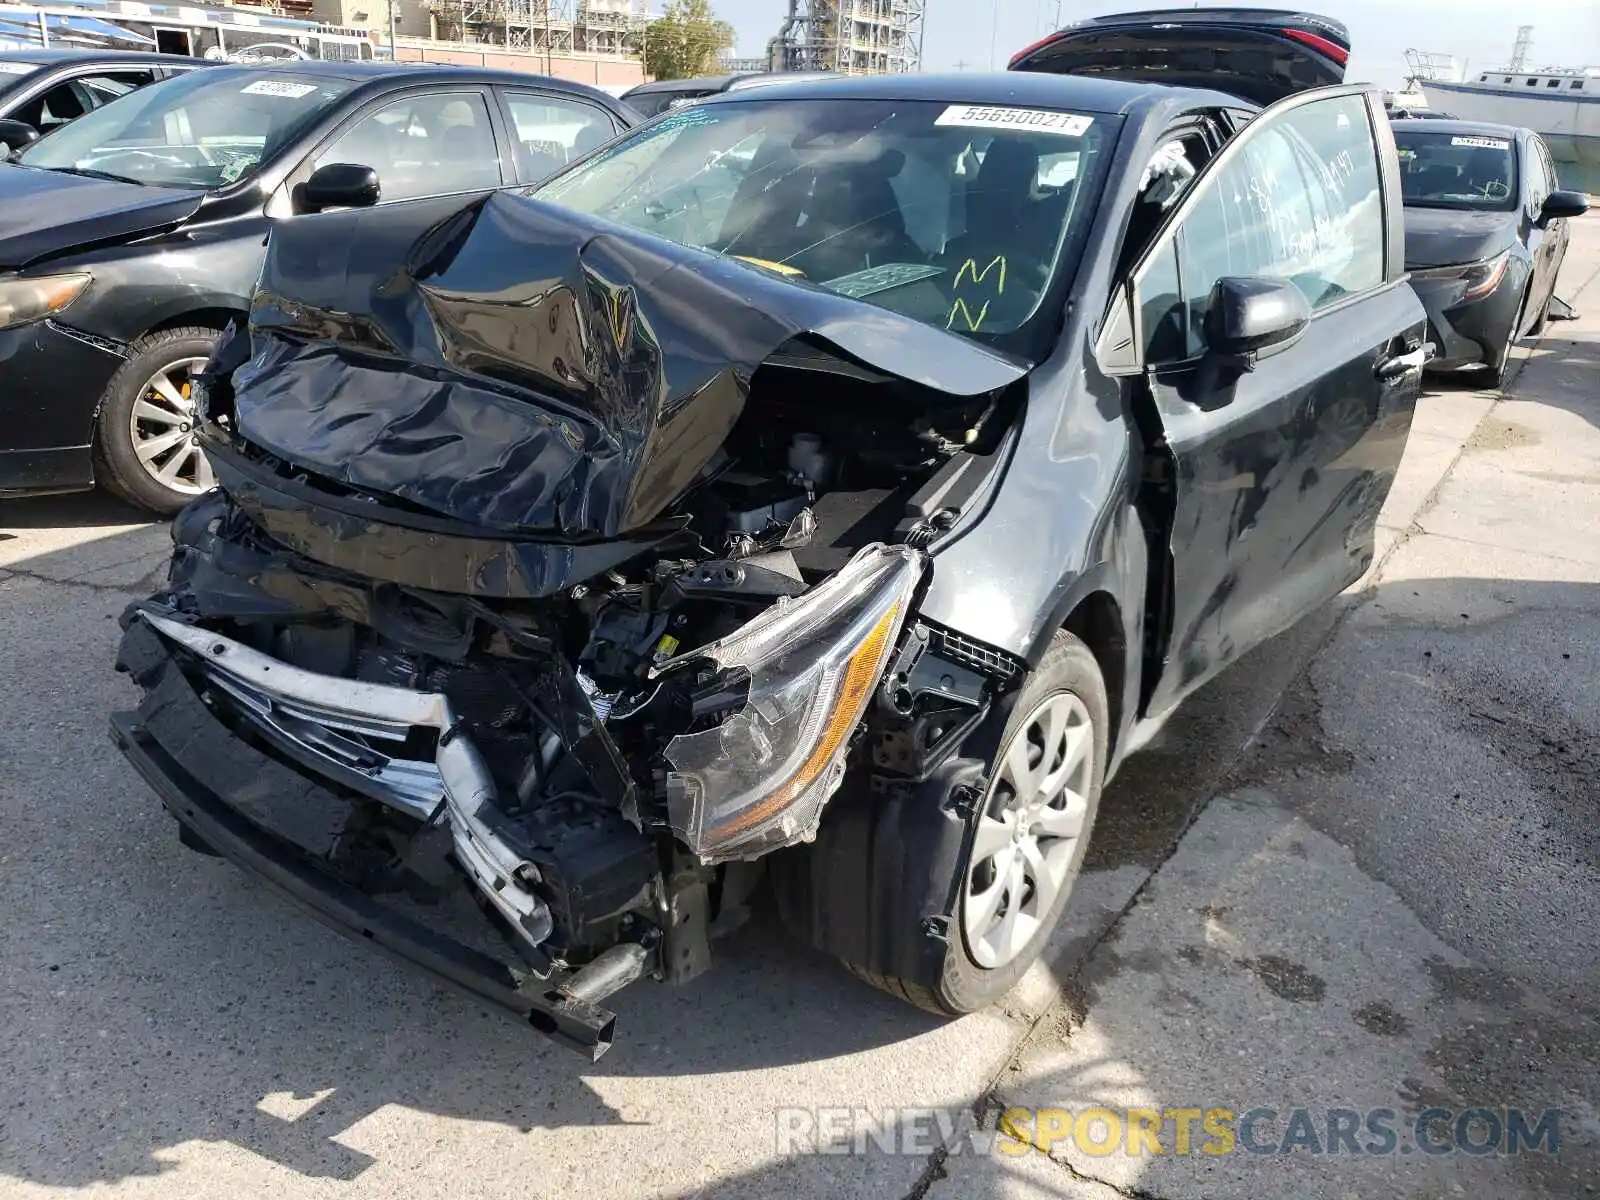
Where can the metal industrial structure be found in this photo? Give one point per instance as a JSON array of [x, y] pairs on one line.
[[612, 28], [851, 37], [1519, 52]]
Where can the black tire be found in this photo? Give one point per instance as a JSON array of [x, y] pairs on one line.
[[1542, 319], [1500, 368], [117, 465], [966, 986]]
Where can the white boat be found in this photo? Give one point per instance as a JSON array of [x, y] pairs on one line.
[[1562, 105]]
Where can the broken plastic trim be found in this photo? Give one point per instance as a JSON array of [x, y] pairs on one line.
[[759, 780], [295, 697], [541, 1003]]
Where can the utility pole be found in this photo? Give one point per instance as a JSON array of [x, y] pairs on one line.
[[394, 45]]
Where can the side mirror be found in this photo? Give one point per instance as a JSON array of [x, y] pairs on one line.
[[339, 185], [17, 135], [1248, 314], [1557, 205]]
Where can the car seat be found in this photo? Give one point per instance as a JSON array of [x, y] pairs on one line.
[[1010, 221], [1431, 180], [589, 137], [853, 220], [464, 147], [1486, 173]]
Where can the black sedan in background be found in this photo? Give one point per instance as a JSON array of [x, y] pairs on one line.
[[131, 237], [44, 89], [1485, 235]]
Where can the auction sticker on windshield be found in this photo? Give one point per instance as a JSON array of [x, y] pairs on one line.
[[1033, 120], [278, 87], [1488, 143]]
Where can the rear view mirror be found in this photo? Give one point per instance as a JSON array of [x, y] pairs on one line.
[[1557, 205], [1251, 313], [339, 185], [17, 135]]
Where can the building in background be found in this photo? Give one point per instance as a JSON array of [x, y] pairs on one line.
[[593, 41], [851, 37], [288, 29]]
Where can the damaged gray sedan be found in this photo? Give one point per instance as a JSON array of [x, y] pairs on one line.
[[828, 486]]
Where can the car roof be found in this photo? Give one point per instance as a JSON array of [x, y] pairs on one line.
[[1006, 88], [1479, 128], [773, 78], [376, 74], [700, 83], [60, 58]]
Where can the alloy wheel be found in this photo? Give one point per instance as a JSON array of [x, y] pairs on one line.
[[1027, 835], [165, 433]]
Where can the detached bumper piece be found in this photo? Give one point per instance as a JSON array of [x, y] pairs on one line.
[[1465, 331], [284, 829]]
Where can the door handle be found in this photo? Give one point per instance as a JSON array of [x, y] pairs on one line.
[[1393, 368]]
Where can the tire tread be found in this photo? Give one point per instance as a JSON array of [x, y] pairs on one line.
[[902, 989]]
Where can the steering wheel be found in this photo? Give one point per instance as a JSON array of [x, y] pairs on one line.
[[1495, 189]]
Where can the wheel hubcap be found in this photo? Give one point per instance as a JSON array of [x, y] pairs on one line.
[[1028, 832], [164, 431]]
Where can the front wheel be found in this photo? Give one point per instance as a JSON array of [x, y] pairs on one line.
[[1026, 841], [1500, 367], [146, 446], [1543, 319]]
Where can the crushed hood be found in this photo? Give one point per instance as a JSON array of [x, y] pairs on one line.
[[46, 213], [526, 368]]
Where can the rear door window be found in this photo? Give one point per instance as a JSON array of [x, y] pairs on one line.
[[550, 131]]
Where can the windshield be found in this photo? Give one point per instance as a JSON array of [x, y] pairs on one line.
[[203, 129], [1454, 170], [959, 216]]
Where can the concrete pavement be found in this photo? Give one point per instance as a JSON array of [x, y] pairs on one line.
[[1387, 899], [1393, 902]]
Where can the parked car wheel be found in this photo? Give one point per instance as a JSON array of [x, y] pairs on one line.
[[146, 451], [1500, 368], [1543, 318], [1026, 842]]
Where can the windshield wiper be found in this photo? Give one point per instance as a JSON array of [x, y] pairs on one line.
[[91, 173]]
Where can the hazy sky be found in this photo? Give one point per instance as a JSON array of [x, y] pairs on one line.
[[1565, 33]]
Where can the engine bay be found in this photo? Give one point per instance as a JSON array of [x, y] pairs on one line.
[[574, 700]]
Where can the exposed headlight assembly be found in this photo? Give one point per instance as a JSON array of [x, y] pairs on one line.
[[759, 779], [1482, 278], [25, 300]]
